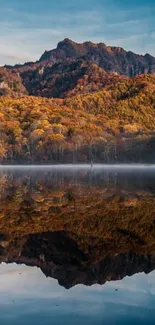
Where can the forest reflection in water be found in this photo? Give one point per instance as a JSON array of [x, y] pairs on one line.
[[99, 223], [79, 226]]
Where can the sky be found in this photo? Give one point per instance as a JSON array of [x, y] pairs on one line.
[[28, 297], [29, 27]]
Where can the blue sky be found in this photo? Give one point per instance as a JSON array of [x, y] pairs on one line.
[[29, 27], [28, 297]]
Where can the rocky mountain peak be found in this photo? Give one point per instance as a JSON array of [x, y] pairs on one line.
[[110, 58], [69, 69]]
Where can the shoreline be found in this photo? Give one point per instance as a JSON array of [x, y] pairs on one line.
[[82, 166]]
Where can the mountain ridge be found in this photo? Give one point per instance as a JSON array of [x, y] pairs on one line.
[[59, 71], [82, 49], [69, 48]]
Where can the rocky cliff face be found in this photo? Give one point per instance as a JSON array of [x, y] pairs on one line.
[[111, 59], [74, 68], [11, 83]]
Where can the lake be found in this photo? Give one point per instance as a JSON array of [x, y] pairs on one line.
[[77, 244]]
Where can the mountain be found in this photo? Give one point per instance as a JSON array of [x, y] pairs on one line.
[[111, 59], [91, 109], [66, 79], [74, 68], [58, 256]]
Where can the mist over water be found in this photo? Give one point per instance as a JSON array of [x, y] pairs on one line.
[[82, 166]]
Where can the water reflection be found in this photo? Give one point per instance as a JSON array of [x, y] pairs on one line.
[[27, 297], [81, 226], [85, 226]]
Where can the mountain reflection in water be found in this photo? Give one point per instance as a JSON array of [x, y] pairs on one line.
[[76, 229], [80, 226]]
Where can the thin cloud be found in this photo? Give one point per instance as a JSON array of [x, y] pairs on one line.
[[24, 36]]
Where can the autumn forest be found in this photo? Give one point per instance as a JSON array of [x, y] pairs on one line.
[[75, 110]]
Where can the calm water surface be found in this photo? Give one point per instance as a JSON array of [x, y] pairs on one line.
[[77, 245]]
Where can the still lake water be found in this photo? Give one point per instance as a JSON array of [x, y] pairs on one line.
[[77, 245]]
